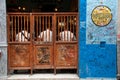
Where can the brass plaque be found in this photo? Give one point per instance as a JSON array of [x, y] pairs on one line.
[[101, 15]]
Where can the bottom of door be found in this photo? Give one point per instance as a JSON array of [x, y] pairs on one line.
[[46, 71]]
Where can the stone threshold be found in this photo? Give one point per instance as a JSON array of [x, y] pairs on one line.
[[43, 77]]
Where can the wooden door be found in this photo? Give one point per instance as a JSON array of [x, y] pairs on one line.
[[66, 41], [43, 41], [19, 41]]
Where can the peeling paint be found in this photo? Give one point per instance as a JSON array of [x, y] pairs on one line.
[[98, 49]]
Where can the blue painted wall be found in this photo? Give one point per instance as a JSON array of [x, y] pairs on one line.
[[96, 59]]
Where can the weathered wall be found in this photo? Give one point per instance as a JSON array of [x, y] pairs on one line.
[[118, 40], [97, 55], [3, 39], [97, 51]]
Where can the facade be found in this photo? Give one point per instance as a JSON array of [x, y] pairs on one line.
[[97, 42]]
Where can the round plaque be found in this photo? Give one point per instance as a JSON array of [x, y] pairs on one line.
[[101, 15]]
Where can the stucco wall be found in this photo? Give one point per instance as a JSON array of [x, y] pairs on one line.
[[97, 56], [118, 40], [3, 39]]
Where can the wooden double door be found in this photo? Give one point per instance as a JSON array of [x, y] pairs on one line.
[[42, 41]]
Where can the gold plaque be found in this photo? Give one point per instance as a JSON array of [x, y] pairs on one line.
[[101, 15]]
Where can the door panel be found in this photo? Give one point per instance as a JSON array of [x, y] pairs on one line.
[[20, 55], [66, 55], [43, 55]]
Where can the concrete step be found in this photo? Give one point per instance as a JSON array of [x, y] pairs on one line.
[[43, 77]]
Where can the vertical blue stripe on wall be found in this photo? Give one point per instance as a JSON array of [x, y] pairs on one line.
[[82, 38], [96, 60]]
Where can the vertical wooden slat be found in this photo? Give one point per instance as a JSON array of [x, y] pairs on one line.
[[24, 27], [67, 24], [27, 25], [31, 39], [77, 29], [12, 26], [39, 25], [18, 27], [34, 31], [8, 36], [21, 26], [60, 20], [54, 39], [8, 28], [57, 29], [64, 27], [43, 27], [49, 26], [59, 26], [32, 25], [46, 27], [73, 26], [35, 24], [15, 28], [70, 26]]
